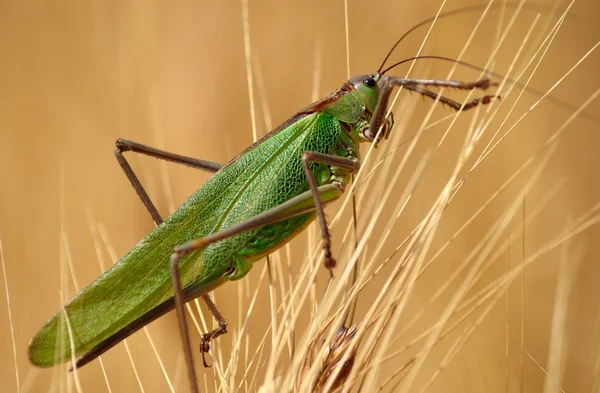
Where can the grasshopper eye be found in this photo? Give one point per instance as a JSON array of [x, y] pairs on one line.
[[370, 82]]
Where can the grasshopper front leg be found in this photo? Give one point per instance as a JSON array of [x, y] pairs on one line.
[[387, 83], [457, 106]]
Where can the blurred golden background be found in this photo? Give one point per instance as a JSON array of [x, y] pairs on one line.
[[76, 75]]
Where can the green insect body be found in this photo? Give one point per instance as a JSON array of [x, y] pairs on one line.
[[138, 288]]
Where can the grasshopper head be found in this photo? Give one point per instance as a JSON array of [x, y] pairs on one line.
[[367, 87]]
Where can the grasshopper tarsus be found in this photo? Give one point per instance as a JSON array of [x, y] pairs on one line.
[[331, 269], [481, 84], [206, 337], [481, 100], [330, 264], [205, 348]]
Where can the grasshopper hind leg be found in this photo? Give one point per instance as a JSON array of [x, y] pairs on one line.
[[124, 145]]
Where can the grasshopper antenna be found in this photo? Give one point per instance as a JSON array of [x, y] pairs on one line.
[[462, 10]]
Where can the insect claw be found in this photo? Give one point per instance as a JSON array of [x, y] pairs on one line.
[[330, 264], [204, 363], [204, 348], [331, 273]]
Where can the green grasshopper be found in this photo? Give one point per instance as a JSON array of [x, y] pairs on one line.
[[249, 208]]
